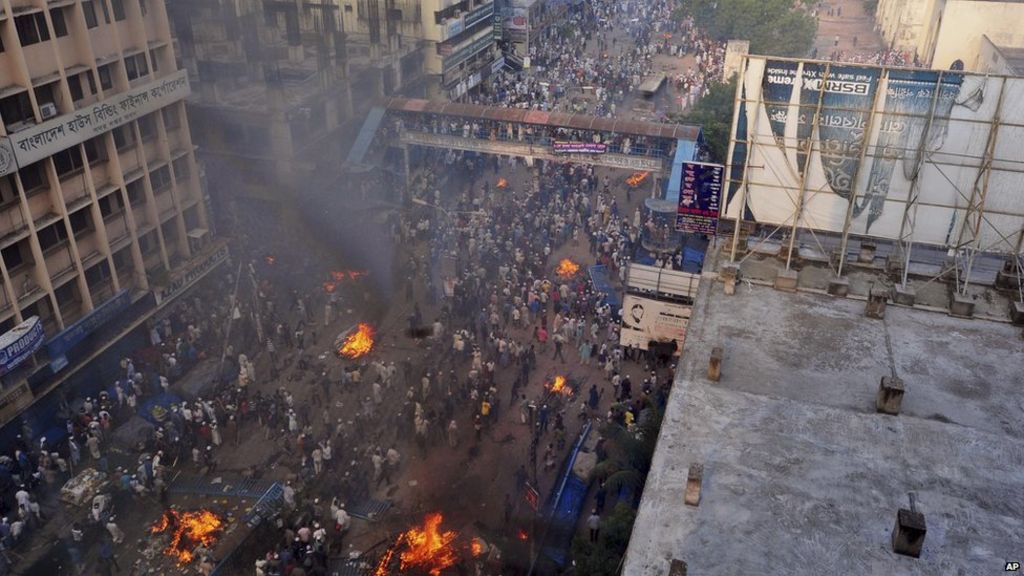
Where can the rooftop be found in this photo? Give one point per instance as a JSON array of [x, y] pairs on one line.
[[801, 475]]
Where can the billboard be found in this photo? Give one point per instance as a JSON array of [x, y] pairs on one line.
[[700, 193], [646, 319], [19, 343], [840, 147], [564, 147]]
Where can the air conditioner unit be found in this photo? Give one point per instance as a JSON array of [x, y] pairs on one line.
[[48, 111]]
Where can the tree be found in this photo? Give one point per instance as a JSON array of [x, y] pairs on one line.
[[714, 114], [603, 558], [773, 27]]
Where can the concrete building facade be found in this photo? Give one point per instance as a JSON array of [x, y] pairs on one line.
[[101, 199], [941, 32]]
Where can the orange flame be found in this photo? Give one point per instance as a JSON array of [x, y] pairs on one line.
[[502, 183], [427, 549], [359, 343], [567, 268], [339, 275], [523, 535], [190, 530], [476, 547], [637, 178], [330, 287], [270, 259], [558, 386]]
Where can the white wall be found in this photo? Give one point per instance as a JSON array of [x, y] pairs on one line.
[[966, 22]]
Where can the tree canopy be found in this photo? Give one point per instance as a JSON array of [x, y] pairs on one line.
[[714, 114], [773, 27]]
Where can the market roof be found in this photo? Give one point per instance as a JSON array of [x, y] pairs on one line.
[[554, 119]]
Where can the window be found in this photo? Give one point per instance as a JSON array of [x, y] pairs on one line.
[[8, 189], [171, 119], [90, 13], [148, 243], [147, 127], [95, 150], [97, 274], [123, 259], [136, 66], [155, 59], [31, 177], [106, 11], [142, 8], [80, 221], [53, 235], [118, 6], [75, 87], [106, 81], [181, 170], [32, 28], [60, 28], [135, 192], [17, 108], [92, 82], [124, 136], [160, 178], [67, 161], [110, 204], [12, 256], [66, 295]]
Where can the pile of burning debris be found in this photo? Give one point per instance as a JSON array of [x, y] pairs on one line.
[[183, 536], [430, 550], [355, 342]]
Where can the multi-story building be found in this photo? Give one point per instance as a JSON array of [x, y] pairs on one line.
[[941, 32], [450, 43], [101, 200], [270, 94]]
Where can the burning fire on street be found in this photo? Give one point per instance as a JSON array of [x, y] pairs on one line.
[[188, 531], [427, 549], [330, 287], [558, 386], [359, 343], [270, 259], [502, 184], [637, 178], [567, 268], [339, 275]]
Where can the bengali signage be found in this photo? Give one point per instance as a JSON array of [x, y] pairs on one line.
[[191, 275], [68, 338], [46, 139], [563, 147], [646, 319], [14, 400], [700, 193], [850, 148], [19, 343]]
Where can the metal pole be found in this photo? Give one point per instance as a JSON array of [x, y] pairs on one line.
[[977, 208], [750, 150], [807, 161], [882, 81], [905, 237]]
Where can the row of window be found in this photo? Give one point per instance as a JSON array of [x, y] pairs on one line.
[[32, 28]]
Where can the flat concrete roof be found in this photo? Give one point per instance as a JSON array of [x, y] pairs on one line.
[[802, 476]]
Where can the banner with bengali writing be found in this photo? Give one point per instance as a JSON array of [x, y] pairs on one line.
[[46, 139]]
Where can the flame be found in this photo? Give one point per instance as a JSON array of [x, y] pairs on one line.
[[558, 386], [339, 275], [637, 178], [502, 183], [330, 287], [476, 547], [567, 268], [359, 343], [270, 259], [385, 560], [426, 549], [523, 535], [190, 530]]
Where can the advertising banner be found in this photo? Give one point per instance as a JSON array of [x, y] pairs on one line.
[[844, 146], [66, 339], [563, 147], [700, 192], [19, 343], [52, 136], [646, 319]]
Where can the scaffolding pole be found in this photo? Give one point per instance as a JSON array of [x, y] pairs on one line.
[[807, 159]]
